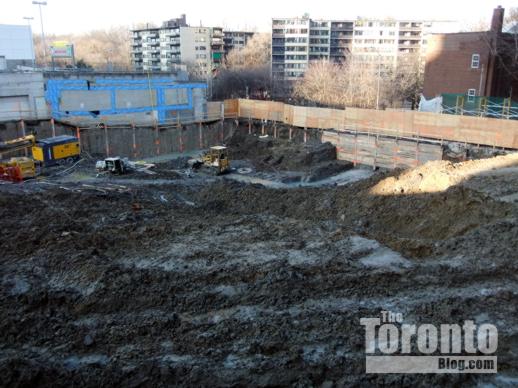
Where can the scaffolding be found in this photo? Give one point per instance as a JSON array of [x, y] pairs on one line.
[[466, 105]]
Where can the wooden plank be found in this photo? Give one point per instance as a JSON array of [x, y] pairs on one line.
[[231, 107]]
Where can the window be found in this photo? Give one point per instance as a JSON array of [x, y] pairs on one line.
[[475, 62], [471, 94]]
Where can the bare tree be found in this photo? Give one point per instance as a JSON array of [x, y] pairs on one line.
[[510, 44], [480, 25], [256, 53], [254, 82], [101, 49], [198, 71], [246, 72], [353, 83], [360, 83], [404, 82], [504, 48]]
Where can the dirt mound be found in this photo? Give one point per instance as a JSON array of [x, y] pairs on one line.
[[269, 153], [438, 176], [219, 283]]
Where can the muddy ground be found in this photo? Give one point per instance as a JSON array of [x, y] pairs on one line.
[[205, 281]]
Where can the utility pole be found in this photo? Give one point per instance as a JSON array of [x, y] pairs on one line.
[[39, 4], [29, 18]]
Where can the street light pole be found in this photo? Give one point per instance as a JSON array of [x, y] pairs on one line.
[[29, 18], [39, 4]]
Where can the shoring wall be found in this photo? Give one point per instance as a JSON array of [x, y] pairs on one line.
[[143, 142], [378, 138], [405, 124]]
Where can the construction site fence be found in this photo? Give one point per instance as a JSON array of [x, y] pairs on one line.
[[493, 107], [398, 124], [361, 135]]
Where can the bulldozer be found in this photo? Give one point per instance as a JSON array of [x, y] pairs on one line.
[[216, 159]]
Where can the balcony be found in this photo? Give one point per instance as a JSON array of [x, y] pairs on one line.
[[410, 27], [150, 36], [342, 27], [171, 33]]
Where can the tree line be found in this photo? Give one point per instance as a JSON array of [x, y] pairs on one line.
[[99, 49]]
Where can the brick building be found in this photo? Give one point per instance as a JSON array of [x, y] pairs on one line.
[[472, 63]]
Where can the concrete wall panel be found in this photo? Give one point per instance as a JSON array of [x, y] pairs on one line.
[[29, 87], [85, 100], [125, 99], [176, 97]]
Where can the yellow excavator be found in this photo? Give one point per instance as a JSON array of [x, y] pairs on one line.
[[16, 169]]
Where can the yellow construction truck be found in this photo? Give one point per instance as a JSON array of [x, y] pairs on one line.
[[46, 152], [56, 150]]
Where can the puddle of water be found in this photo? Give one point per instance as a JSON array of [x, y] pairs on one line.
[[314, 353], [19, 285], [75, 362], [375, 255], [61, 282], [361, 244], [341, 179], [176, 358], [385, 258]]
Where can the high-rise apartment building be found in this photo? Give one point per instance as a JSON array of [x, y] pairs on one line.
[[235, 40], [157, 49], [202, 49], [298, 41]]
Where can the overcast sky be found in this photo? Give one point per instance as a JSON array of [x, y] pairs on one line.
[[69, 16]]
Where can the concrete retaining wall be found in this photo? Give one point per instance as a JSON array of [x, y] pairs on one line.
[[22, 97]]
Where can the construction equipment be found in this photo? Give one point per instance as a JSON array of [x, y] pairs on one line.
[[216, 159], [114, 165], [56, 150], [17, 169], [48, 152], [19, 144]]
